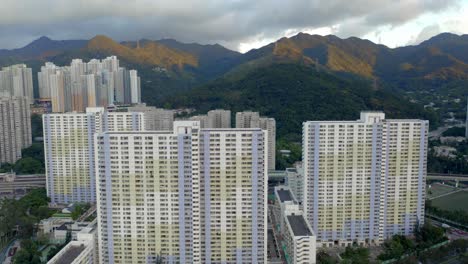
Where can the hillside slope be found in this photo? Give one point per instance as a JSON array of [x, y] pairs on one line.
[[294, 93]]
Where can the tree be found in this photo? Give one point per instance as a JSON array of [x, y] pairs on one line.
[[28, 165], [28, 254], [36, 151], [356, 255], [6, 167], [324, 258], [79, 210], [36, 125], [430, 234], [395, 247]]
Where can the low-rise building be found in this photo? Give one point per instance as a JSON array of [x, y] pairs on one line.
[[285, 202], [81, 250], [296, 235], [299, 239]]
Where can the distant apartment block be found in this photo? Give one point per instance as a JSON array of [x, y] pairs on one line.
[[219, 118], [189, 195], [156, 119], [92, 84], [16, 80], [15, 128], [364, 180], [295, 181], [249, 119], [69, 150], [203, 119]]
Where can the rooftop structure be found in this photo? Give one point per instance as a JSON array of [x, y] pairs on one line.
[[285, 195], [299, 225]]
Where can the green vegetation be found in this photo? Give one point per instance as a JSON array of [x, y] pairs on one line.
[[456, 165], [79, 209], [28, 254], [454, 251], [32, 161], [56, 249], [36, 125], [438, 189], [454, 132], [458, 216], [398, 246], [355, 255], [452, 202], [324, 258], [283, 162], [293, 93], [24, 213]]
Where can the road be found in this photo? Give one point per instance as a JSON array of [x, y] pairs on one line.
[[4, 259], [447, 177], [438, 132], [87, 214], [273, 240]]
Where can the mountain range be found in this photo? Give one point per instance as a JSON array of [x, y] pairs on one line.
[[176, 74], [441, 57]]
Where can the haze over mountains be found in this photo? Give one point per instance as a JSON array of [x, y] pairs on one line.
[[180, 75]]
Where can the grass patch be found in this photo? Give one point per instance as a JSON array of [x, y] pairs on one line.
[[61, 215], [452, 202], [438, 189]]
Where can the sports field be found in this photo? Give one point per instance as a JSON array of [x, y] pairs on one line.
[[438, 189], [454, 201]]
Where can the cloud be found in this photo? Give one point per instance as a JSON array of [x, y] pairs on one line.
[[425, 34], [230, 22]]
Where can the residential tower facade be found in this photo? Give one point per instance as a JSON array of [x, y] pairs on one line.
[[364, 180]]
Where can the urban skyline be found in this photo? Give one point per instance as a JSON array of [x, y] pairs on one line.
[[200, 185], [92, 84]]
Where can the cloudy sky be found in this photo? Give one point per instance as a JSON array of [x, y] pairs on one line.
[[236, 24]]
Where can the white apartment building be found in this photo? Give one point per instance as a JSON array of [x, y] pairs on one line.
[[88, 84], [189, 195], [269, 124], [219, 118], [364, 180], [69, 152], [16, 80], [43, 79], [295, 181], [203, 119], [249, 119], [135, 90], [156, 119], [15, 128]]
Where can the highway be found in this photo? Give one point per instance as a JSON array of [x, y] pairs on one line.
[[448, 177]]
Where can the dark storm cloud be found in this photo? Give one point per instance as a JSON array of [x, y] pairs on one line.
[[229, 22]]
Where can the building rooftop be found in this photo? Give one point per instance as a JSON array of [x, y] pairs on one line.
[[71, 254], [299, 225], [285, 195]]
